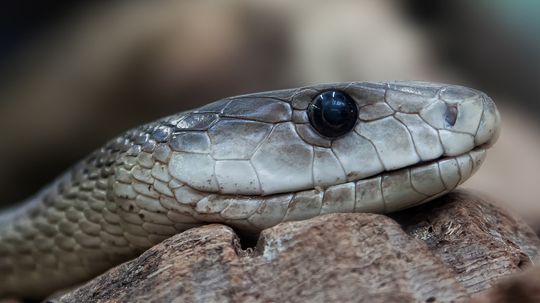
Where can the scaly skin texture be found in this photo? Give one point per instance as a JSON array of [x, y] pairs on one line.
[[250, 162]]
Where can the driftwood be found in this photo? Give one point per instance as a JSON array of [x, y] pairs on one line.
[[522, 288], [447, 250]]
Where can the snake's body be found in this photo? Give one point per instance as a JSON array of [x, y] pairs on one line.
[[250, 162]]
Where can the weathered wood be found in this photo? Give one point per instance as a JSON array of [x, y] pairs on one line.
[[523, 288], [441, 252], [478, 241]]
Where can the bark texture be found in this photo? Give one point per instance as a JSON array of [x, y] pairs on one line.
[[523, 288], [445, 251]]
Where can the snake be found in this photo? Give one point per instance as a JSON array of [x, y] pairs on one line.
[[250, 162]]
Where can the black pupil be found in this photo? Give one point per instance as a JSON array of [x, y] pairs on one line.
[[333, 113]]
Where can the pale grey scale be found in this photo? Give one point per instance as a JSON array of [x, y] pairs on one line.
[[240, 208], [327, 169], [346, 150], [300, 117], [310, 136], [150, 204], [282, 174], [487, 129], [160, 172], [191, 142], [145, 160], [141, 138], [425, 138], [212, 204], [388, 136], [271, 211], [453, 175], [144, 189], [465, 163], [398, 192], [455, 143], [304, 205], [427, 180], [162, 153], [251, 162], [301, 99], [161, 133], [268, 110], [282, 94], [237, 176], [149, 146], [142, 174], [339, 198], [197, 121], [457, 93], [186, 194], [407, 101], [410, 135], [425, 89], [375, 111], [247, 137], [413, 186], [163, 188], [367, 93], [369, 197]]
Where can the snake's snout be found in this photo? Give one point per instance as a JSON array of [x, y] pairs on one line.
[[465, 119], [489, 128]]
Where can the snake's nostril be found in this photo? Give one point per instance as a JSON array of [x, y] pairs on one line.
[[451, 113]]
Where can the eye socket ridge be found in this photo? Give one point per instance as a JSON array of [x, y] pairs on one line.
[[332, 113]]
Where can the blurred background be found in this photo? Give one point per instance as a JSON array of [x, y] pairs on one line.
[[74, 74]]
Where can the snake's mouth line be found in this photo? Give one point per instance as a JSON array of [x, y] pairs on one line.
[[480, 148], [475, 157]]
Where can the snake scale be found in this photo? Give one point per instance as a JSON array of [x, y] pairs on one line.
[[250, 162]]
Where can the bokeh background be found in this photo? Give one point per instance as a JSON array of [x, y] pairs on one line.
[[74, 74]]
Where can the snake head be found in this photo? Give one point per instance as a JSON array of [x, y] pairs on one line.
[[319, 136]]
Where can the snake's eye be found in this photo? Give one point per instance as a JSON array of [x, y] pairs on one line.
[[332, 113]]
